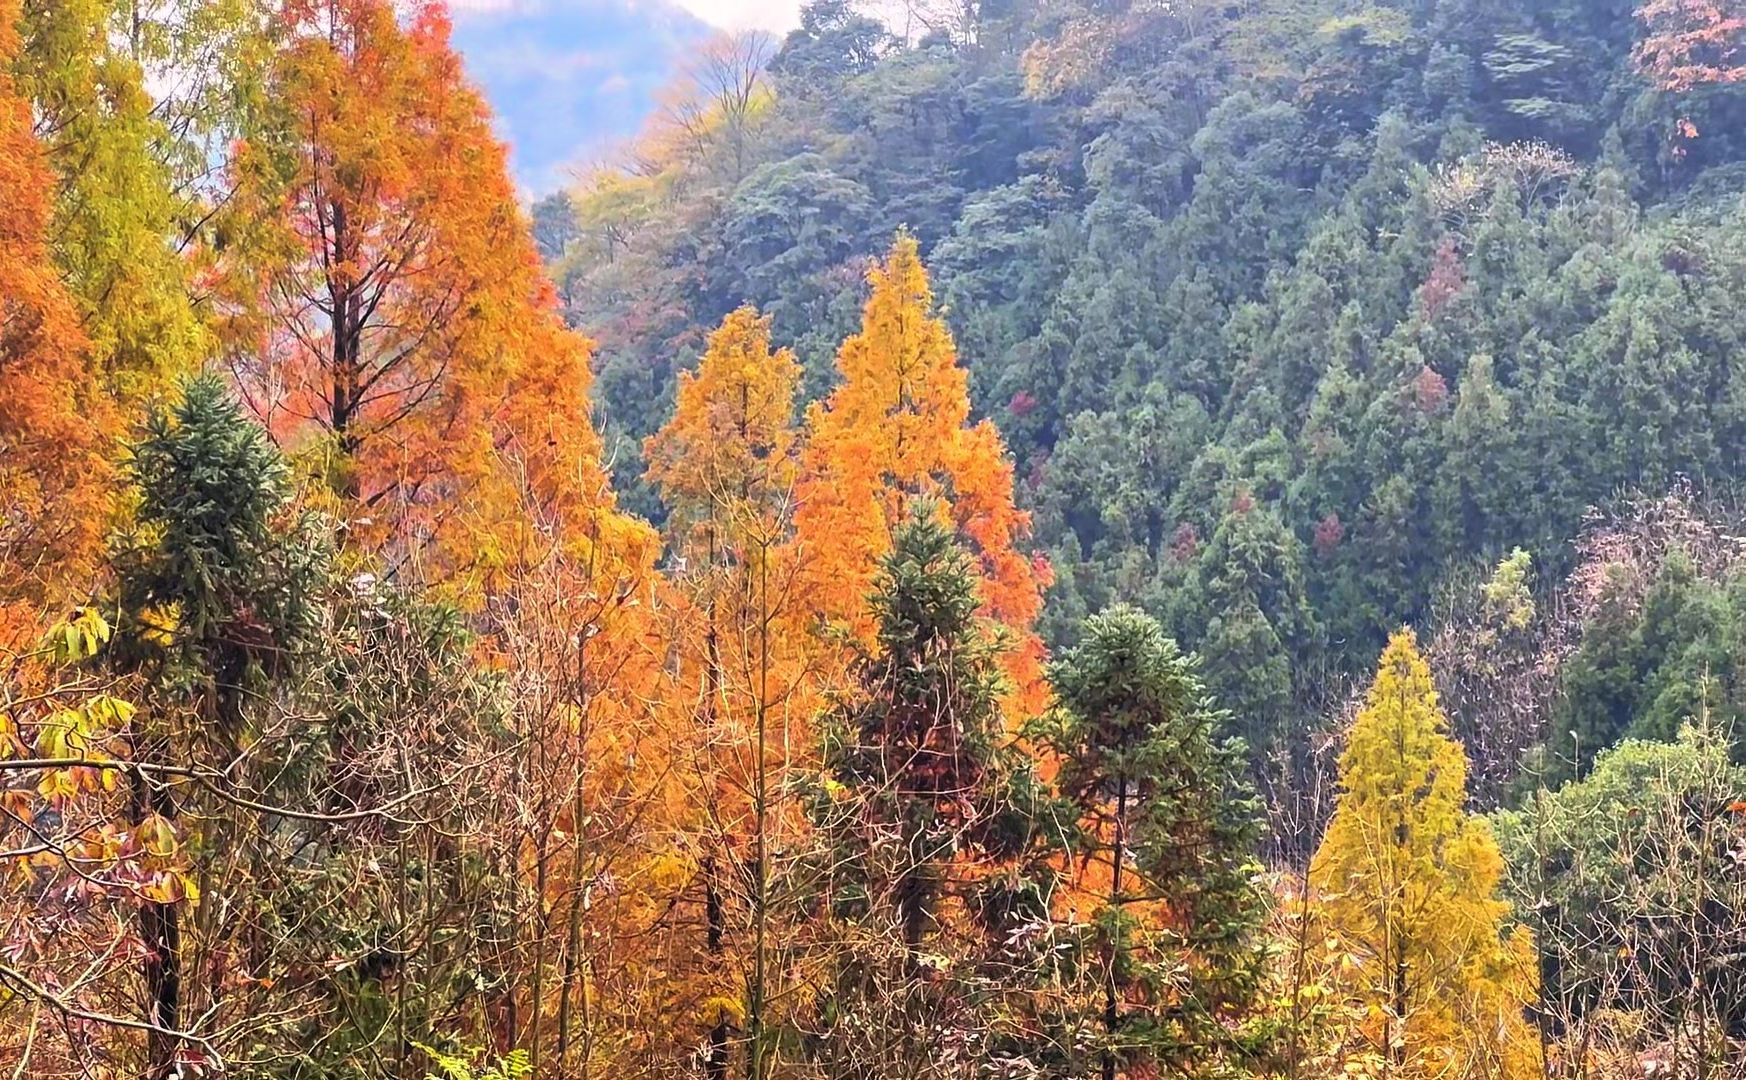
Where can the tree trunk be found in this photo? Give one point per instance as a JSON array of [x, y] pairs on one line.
[[160, 932], [1111, 1010], [715, 1063]]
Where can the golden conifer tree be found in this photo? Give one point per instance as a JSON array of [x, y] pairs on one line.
[[747, 667], [121, 211], [1408, 881], [897, 427]]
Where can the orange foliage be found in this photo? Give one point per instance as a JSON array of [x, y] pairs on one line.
[[896, 428], [52, 460], [726, 464], [1691, 43], [395, 313], [747, 668], [729, 450]]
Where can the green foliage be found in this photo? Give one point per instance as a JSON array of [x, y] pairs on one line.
[[1646, 664], [1507, 599], [932, 830], [1629, 878], [921, 743], [124, 174], [1152, 780], [555, 226], [453, 1067], [1423, 283], [218, 573]]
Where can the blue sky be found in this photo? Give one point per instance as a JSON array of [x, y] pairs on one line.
[[777, 16], [570, 79]]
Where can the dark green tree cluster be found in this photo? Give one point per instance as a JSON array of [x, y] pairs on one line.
[[324, 732], [1645, 666], [1103, 920], [1630, 880], [1160, 801], [932, 824], [1286, 310]]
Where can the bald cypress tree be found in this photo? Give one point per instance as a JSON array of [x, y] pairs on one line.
[[1409, 881]]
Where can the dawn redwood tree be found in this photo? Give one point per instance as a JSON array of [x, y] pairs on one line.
[[898, 428], [748, 666], [51, 459], [1692, 43], [1408, 882], [392, 309], [129, 178]]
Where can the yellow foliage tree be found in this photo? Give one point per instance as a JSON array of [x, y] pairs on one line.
[[725, 462], [1408, 882], [121, 210], [747, 666], [897, 428]]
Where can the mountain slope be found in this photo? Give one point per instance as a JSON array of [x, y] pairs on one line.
[[1295, 316]]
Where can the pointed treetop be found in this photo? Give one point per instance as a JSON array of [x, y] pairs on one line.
[[732, 440], [897, 428]]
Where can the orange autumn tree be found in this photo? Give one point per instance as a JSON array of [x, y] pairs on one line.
[[391, 322], [898, 428], [52, 468], [1692, 43], [396, 317], [726, 465]]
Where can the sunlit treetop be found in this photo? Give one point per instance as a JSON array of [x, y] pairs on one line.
[[895, 429], [394, 316]]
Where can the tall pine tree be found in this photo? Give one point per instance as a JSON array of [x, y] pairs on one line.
[[929, 820]]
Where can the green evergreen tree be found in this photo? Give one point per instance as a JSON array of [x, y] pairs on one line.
[[215, 588], [1167, 816], [932, 824]]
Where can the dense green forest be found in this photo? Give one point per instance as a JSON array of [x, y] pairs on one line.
[[995, 540], [1297, 317]]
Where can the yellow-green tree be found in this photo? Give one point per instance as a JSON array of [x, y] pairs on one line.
[[1408, 881], [121, 211]]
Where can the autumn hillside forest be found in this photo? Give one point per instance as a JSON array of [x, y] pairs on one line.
[[993, 540]]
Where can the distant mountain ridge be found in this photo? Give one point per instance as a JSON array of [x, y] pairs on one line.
[[568, 78]]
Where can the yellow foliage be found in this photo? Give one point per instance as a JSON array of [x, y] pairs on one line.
[[1408, 882], [722, 1008], [79, 637]]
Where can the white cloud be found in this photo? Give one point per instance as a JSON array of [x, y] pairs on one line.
[[776, 16]]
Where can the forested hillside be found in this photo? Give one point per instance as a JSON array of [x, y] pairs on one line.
[[1101, 538], [1292, 314]]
